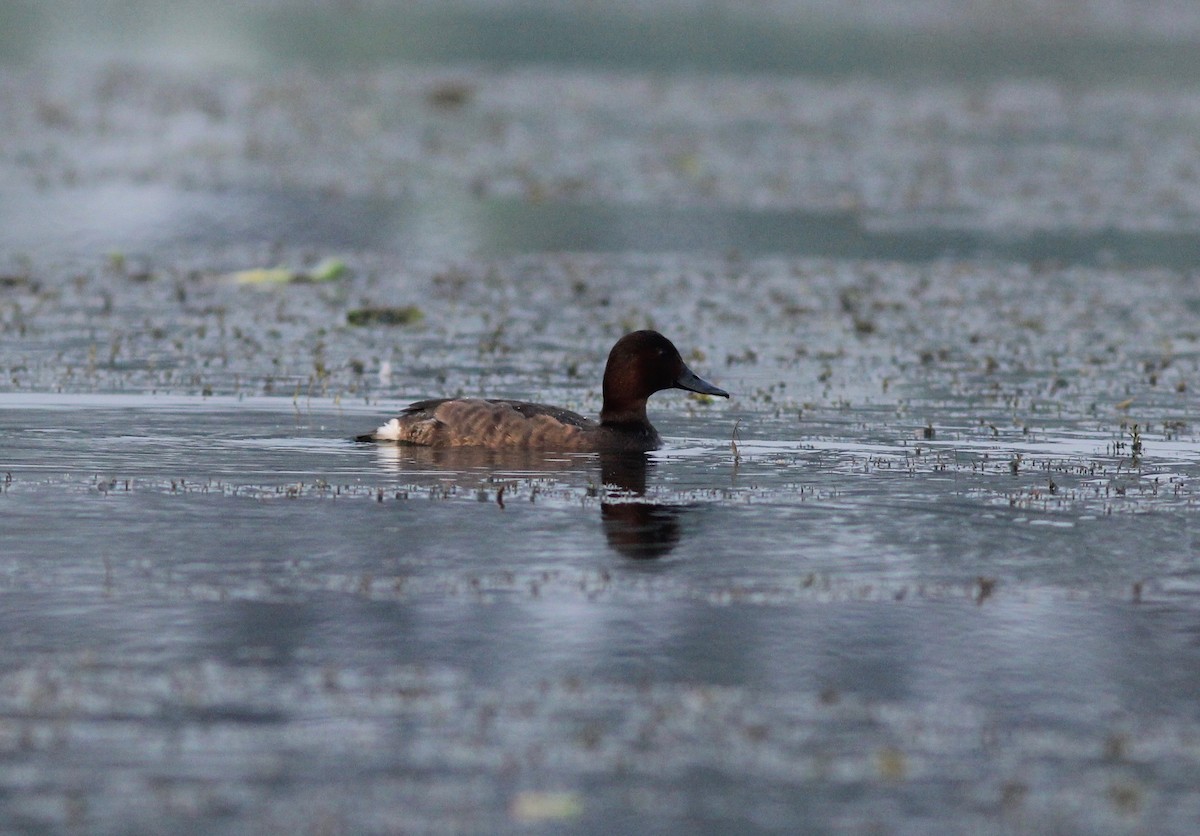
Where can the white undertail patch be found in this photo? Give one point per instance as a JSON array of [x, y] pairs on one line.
[[389, 431]]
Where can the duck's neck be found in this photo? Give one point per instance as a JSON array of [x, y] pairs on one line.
[[624, 414], [629, 429]]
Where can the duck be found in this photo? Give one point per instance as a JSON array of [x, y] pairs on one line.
[[640, 364]]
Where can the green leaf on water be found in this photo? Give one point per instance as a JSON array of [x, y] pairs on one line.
[[331, 269]]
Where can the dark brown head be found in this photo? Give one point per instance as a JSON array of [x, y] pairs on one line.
[[639, 365]]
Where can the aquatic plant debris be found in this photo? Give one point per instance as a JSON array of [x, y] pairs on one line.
[[331, 269], [399, 315], [266, 275]]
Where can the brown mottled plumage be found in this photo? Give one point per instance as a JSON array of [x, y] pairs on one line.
[[639, 365]]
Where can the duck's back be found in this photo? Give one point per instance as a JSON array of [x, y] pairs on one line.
[[461, 422]]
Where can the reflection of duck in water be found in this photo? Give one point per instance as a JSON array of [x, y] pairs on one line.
[[635, 529], [639, 365], [632, 526]]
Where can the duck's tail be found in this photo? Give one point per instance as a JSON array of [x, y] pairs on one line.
[[388, 432]]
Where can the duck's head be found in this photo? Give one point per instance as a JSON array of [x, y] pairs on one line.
[[640, 364]]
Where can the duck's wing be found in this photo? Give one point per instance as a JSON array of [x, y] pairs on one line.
[[556, 413], [456, 422]]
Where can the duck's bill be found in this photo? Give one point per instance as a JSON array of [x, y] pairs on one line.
[[690, 381]]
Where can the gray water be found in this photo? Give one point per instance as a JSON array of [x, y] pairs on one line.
[[931, 568]]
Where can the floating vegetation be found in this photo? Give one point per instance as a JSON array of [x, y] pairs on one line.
[[266, 275], [401, 315], [331, 269]]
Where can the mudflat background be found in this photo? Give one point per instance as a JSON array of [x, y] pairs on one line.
[[933, 568]]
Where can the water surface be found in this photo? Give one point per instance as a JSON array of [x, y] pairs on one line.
[[931, 569], [235, 602]]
